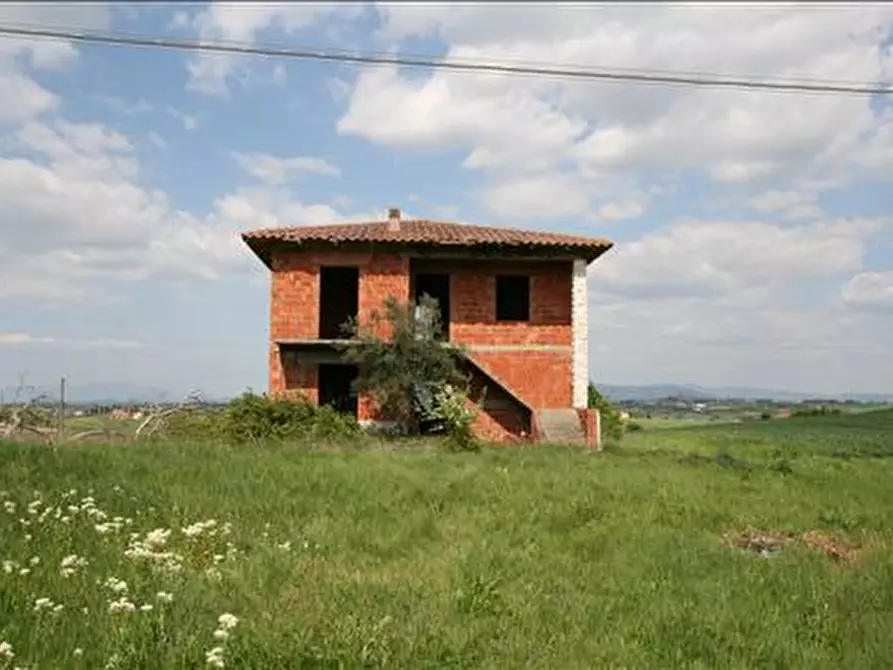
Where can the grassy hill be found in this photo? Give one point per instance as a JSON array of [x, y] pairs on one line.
[[377, 557]]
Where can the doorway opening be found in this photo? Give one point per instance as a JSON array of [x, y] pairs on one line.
[[339, 297], [436, 286], [336, 387]]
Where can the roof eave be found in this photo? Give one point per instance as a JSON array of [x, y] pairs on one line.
[[262, 247]]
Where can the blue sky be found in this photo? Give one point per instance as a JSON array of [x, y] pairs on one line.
[[753, 229]]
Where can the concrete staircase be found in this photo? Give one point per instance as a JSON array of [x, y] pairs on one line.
[[561, 426]]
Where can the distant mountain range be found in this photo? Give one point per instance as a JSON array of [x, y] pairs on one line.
[[128, 393], [109, 393], [694, 392]]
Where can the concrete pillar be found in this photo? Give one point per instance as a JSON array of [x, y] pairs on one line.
[[580, 334]]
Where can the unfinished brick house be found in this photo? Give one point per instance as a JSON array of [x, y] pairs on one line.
[[515, 299]]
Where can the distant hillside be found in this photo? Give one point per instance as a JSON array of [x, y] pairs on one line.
[[99, 393], [108, 393], [693, 392], [111, 393]]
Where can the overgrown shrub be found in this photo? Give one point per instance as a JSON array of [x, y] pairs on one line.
[[254, 418], [193, 424], [452, 407], [612, 425], [391, 367]]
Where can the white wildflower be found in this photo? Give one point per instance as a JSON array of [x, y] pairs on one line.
[[34, 560], [147, 550], [116, 585], [221, 634], [71, 563], [9, 567], [146, 608], [218, 558], [107, 527], [158, 537], [164, 597], [58, 608], [6, 651], [285, 546], [200, 528], [28, 537], [214, 657], [73, 509], [9, 506], [78, 652], [213, 574], [25, 571], [42, 604], [121, 605], [227, 621]]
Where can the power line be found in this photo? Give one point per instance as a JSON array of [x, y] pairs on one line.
[[431, 62]]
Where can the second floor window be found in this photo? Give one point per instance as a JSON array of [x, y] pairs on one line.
[[512, 298]]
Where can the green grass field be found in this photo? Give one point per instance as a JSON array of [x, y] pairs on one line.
[[411, 558]]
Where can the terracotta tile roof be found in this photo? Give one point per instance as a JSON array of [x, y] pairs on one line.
[[420, 232]]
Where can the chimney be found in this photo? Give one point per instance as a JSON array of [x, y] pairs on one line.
[[393, 219]]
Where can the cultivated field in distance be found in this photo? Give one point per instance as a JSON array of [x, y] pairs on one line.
[[760, 544]]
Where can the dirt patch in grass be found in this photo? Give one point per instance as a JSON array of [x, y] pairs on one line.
[[768, 543]]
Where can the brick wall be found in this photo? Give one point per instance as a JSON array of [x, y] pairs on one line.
[[294, 298], [499, 416], [542, 378], [294, 309], [473, 304], [289, 375]]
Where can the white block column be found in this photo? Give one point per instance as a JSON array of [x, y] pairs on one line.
[[580, 334]]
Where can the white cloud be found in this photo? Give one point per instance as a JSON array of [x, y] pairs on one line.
[[123, 106], [699, 258], [790, 204], [189, 122], [627, 209], [544, 196], [24, 98], [517, 125], [158, 141], [496, 119], [738, 340], [872, 291], [275, 171], [243, 22], [78, 219], [26, 340]]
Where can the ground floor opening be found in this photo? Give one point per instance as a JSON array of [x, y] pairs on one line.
[[336, 387]]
